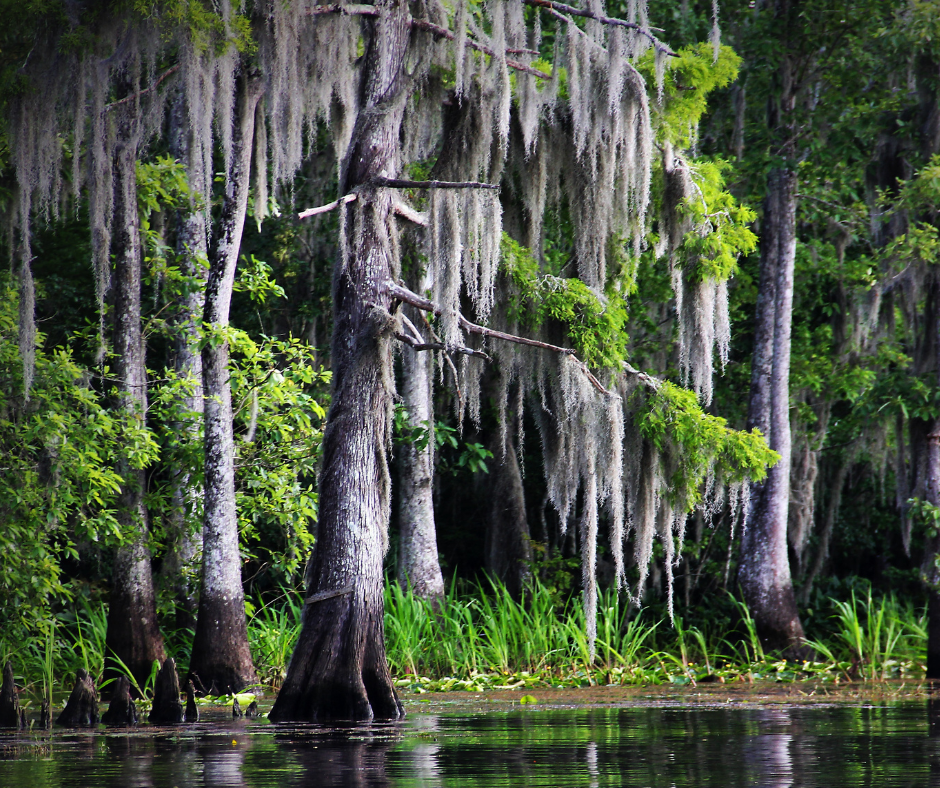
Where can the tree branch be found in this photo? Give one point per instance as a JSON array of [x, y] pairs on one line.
[[140, 93], [407, 212], [328, 207], [560, 9], [324, 595], [437, 30], [397, 183], [418, 342], [647, 380], [419, 346], [345, 10], [443, 32], [405, 295]]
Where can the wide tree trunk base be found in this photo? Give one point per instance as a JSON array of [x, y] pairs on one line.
[[221, 658], [339, 672]]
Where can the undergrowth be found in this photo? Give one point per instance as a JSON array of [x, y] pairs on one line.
[[479, 638]]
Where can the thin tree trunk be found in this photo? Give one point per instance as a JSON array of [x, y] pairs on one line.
[[825, 537], [764, 566], [930, 571], [339, 669], [418, 564], [930, 144], [182, 562], [764, 569], [133, 636], [221, 657], [508, 544]]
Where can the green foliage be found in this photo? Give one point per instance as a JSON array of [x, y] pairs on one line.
[[596, 325], [58, 484], [874, 639], [255, 279], [272, 632], [692, 75], [277, 389], [461, 455], [721, 225], [697, 442]]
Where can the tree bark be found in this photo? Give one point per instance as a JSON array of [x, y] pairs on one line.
[[339, 670], [764, 568], [418, 564], [221, 657], [508, 544], [133, 636], [182, 562], [930, 570]]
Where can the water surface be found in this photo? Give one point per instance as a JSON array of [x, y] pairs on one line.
[[643, 743]]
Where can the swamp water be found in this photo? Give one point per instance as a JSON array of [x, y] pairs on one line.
[[569, 739]]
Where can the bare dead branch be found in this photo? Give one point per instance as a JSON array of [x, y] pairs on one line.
[[407, 212], [437, 30], [418, 342], [560, 9], [647, 380], [419, 346], [151, 88], [443, 32], [397, 183], [414, 329], [406, 296], [328, 207], [346, 10]]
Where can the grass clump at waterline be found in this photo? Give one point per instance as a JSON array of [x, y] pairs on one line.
[[483, 639], [479, 638]]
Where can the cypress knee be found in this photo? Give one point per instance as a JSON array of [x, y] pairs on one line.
[[81, 711], [9, 701], [167, 707], [121, 713]]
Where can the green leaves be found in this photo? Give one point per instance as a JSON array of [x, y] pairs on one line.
[[277, 393], [692, 75], [595, 324], [721, 225], [57, 480], [696, 443]]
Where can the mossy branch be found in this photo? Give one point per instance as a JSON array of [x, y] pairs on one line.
[[406, 296]]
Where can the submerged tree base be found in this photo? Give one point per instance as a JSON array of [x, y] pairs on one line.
[[325, 682]]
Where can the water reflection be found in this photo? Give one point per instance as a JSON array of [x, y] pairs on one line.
[[656, 746]]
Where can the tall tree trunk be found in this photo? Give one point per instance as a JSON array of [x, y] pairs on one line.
[[825, 536], [133, 636], [221, 657], [764, 568], [928, 67], [339, 669], [418, 563], [182, 562], [508, 545]]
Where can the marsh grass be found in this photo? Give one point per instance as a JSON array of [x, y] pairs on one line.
[[482, 638], [478, 637], [273, 628], [874, 639]]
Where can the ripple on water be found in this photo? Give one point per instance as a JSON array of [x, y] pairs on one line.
[[777, 746]]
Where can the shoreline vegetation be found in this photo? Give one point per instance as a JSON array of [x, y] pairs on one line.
[[479, 639]]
